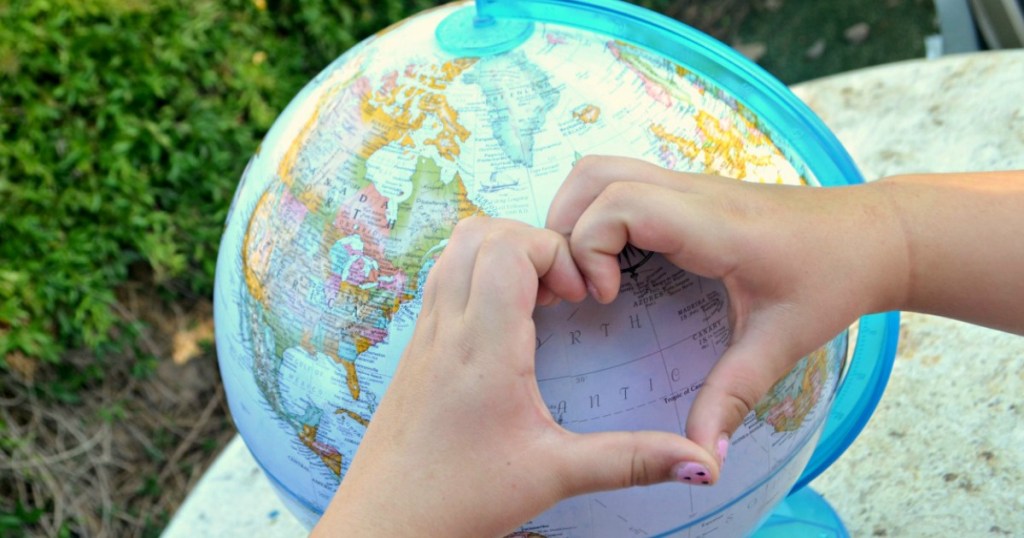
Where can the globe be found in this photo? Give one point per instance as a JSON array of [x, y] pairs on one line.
[[483, 110]]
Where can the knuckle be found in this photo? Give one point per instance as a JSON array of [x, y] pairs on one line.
[[506, 235], [616, 195], [640, 474], [468, 226], [639, 471], [743, 398], [587, 165], [737, 398], [496, 241]]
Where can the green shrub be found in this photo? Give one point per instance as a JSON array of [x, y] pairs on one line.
[[326, 28], [124, 127]]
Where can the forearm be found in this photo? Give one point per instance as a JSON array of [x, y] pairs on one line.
[[964, 245]]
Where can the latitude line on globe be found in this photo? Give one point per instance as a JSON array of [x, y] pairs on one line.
[[661, 353], [440, 126], [630, 361]]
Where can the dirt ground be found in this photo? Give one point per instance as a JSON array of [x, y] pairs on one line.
[[119, 459]]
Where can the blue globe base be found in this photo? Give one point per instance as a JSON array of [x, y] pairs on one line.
[[804, 513]]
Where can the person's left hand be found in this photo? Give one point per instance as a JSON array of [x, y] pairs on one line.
[[462, 443]]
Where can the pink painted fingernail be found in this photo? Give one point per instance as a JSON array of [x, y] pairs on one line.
[[691, 473], [722, 448]]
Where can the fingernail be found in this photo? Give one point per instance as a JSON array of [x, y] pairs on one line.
[[691, 473], [722, 448]]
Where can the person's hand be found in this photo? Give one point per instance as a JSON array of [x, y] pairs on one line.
[[462, 443], [799, 264]]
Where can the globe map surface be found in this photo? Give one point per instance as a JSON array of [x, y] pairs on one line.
[[343, 210]]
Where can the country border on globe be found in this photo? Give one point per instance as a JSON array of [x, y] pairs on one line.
[[343, 210]]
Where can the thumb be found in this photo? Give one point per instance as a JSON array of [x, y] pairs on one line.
[[742, 376], [613, 460]]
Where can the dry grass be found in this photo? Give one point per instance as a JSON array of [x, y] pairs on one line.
[[119, 461]]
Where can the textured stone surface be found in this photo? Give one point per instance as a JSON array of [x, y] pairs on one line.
[[944, 453]]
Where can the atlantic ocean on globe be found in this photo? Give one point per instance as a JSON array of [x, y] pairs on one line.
[[483, 110]]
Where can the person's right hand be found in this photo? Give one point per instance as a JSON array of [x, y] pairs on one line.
[[800, 264]]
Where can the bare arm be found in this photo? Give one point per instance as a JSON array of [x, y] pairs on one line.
[[801, 264], [964, 236]]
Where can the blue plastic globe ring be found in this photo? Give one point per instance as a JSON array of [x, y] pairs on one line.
[[300, 398]]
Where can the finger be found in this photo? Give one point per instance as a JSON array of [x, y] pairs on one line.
[[592, 174], [613, 460], [739, 380], [447, 286], [680, 225], [515, 262], [546, 297]]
